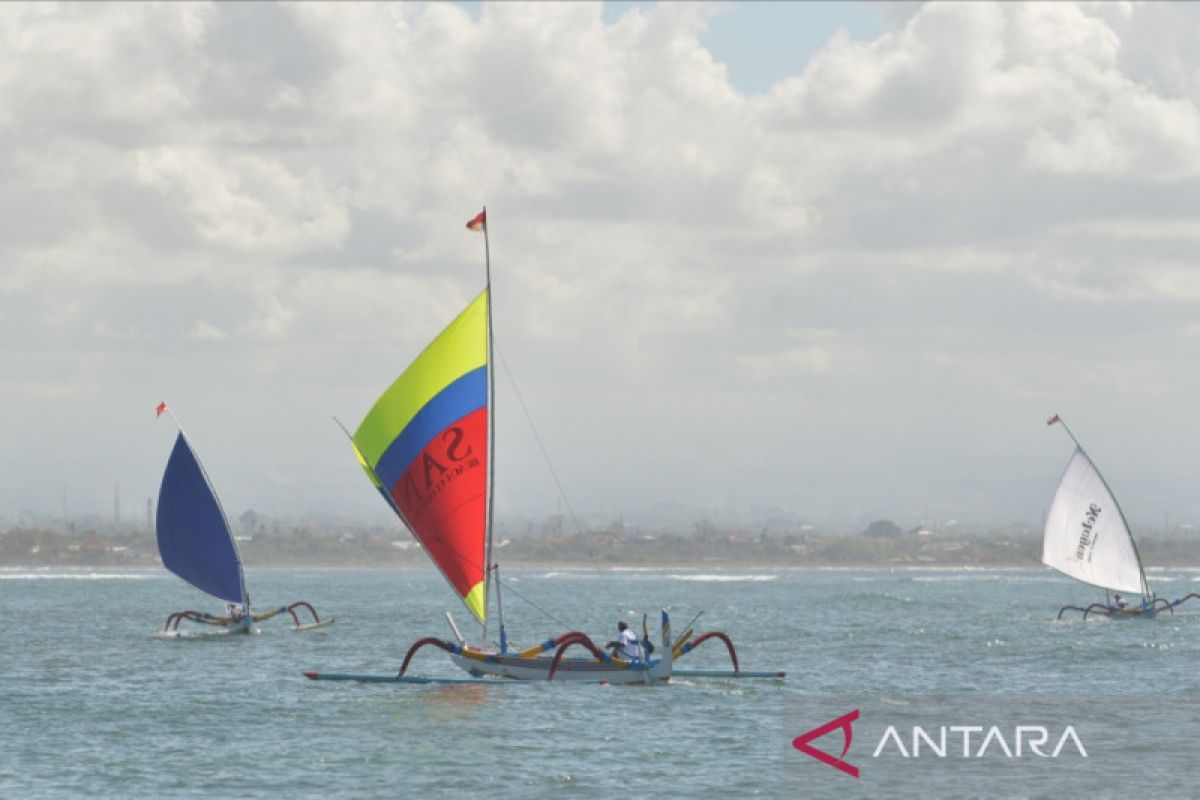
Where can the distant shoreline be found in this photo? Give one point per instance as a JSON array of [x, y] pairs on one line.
[[578, 567], [709, 548]]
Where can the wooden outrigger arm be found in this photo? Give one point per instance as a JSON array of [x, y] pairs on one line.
[[575, 638], [559, 643], [680, 648], [694, 643], [306, 626], [203, 618], [419, 643], [532, 663]]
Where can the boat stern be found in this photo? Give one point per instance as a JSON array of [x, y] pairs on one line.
[[663, 668]]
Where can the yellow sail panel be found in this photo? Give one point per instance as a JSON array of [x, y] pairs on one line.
[[366, 467], [476, 601], [457, 350]]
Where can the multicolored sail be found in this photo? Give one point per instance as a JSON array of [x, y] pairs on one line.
[[193, 535], [424, 444]]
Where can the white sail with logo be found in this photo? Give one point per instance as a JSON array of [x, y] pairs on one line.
[[1086, 536]]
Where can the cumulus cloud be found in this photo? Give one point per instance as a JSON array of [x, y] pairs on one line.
[[251, 204], [261, 206], [206, 330]]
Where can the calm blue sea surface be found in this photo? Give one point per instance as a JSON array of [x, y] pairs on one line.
[[93, 705]]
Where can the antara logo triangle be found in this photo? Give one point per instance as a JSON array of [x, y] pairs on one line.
[[844, 722]]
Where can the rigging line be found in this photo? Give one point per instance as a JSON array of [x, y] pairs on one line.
[[508, 588], [538, 437], [473, 562]]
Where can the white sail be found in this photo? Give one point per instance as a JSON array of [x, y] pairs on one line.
[[1086, 535]]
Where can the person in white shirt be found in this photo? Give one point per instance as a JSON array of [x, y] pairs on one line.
[[1118, 602], [627, 644]]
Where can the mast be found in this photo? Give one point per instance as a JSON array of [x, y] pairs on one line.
[[1141, 569], [491, 423]]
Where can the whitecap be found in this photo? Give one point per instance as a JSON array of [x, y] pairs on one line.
[[79, 576], [722, 578]]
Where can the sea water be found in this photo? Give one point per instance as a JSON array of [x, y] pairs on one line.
[[93, 704]]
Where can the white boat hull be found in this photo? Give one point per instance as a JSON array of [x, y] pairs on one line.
[[569, 669], [209, 634]]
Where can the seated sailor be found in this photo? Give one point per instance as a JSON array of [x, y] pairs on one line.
[[627, 644]]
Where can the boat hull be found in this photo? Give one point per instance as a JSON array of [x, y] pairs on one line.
[[1125, 613], [411, 679], [239, 630], [569, 669]]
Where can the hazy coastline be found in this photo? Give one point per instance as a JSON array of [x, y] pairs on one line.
[[39, 548]]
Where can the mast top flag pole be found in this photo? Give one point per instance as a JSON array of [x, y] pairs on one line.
[[478, 223], [161, 409], [1057, 420]]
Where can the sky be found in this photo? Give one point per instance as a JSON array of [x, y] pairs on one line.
[[833, 260]]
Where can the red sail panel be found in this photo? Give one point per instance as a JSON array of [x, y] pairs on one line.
[[443, 496]]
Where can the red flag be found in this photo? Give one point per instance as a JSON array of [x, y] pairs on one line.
[[479, 222], [1053, 420], [159, 409]]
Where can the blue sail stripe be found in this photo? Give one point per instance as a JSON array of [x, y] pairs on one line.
[[460, 398]]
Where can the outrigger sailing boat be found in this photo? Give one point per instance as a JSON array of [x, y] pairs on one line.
[[195, 542], [427, 447], [1088, 538]]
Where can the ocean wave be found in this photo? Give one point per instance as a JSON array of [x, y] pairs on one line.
[[78, 576], [915, 568], [722, 578], [652, 573], [1009, 578], [888, 596], [575, 575]]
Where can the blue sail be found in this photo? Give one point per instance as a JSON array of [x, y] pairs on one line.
[[193, 537]]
